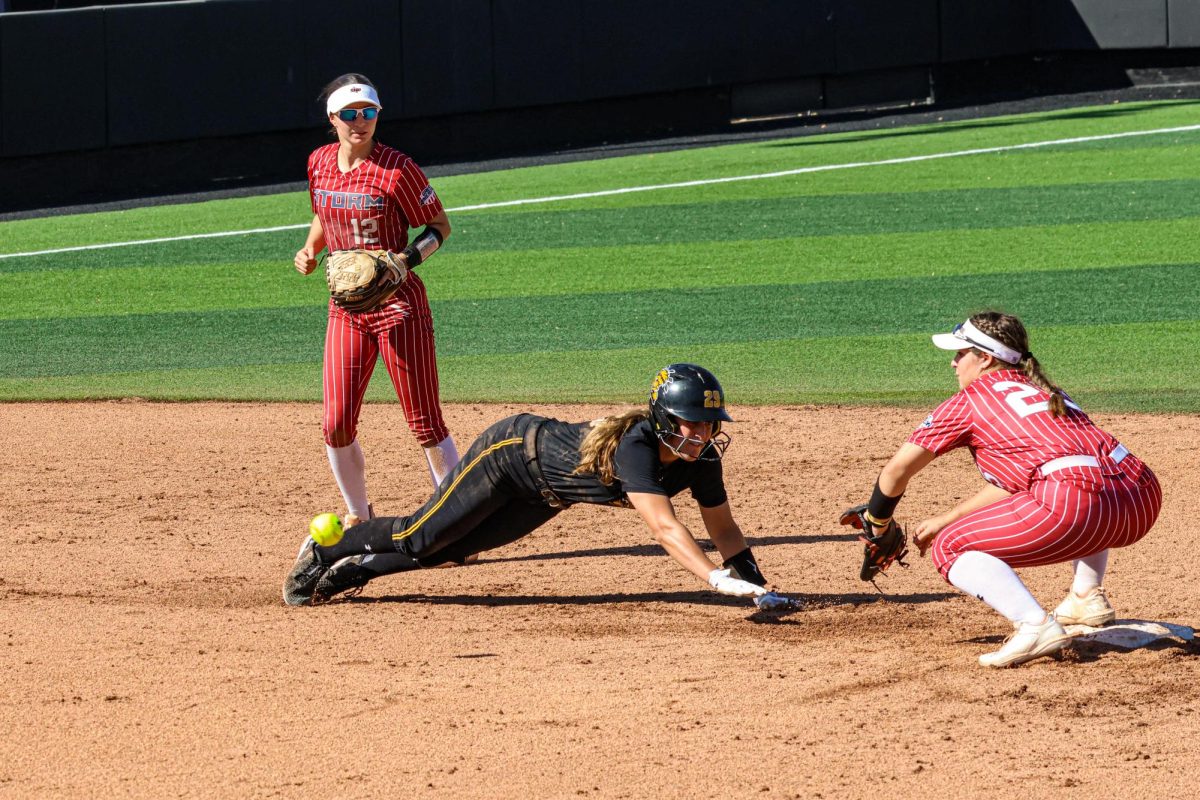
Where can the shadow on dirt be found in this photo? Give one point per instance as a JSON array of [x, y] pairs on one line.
[[655, 550], [807, 601]]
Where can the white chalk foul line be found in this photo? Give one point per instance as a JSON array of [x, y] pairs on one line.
[[656, 187]]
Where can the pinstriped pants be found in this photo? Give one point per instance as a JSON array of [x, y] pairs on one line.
[[1059, 518], [400, 332]]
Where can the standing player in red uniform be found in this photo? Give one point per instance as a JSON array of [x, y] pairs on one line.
[[367, 195], [1058, 488]]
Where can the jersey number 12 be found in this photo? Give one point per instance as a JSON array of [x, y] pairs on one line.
[[366, 231]]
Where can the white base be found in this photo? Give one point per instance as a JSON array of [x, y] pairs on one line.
[[1130, 633]]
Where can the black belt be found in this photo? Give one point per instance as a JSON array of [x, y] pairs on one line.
[[535, 469]]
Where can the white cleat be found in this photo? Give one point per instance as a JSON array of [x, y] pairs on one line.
[[1093, 609], [1029, 642]]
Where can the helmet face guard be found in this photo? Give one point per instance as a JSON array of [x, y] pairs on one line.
[[713, 448], [691, 393]]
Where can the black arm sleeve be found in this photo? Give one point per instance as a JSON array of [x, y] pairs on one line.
[[882, 506]]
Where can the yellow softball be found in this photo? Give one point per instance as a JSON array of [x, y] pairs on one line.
[[325, 529]]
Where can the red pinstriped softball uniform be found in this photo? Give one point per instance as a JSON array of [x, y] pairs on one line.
[[372, 207], [1075, 489]]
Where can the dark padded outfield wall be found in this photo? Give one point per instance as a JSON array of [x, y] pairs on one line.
[[346, 36], [214, 94], [251, 83], [50, 62], [776, 39], [878, 34], [538, 51], [447, 57], [975, 29], [633, 47], [159, 90]]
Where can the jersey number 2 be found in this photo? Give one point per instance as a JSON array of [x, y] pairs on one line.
[[1017, 399]]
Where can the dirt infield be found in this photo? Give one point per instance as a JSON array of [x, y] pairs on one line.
[[147, 653]]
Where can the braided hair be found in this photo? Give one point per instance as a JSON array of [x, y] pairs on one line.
[[1009, 330]]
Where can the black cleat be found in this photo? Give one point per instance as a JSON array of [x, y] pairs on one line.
[[300, 585], [346, 575]]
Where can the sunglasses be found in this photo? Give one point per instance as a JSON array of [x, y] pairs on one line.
[[351, 114]]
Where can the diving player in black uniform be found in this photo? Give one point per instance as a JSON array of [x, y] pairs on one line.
[[524, 470]]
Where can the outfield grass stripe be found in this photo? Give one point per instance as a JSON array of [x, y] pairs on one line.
[[1102, 365], [764, 219], [751, 157], [711, 181], [826, 168], [160, 240], [1077, 163], [1000, 171], [1106, 367], [834, 215], [478, 276], [765, 280], [30, 348], [279, 247]]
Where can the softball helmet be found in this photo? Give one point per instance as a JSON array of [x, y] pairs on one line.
[[692, 393]]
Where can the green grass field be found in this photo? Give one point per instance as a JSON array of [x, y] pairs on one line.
[[819, 287]]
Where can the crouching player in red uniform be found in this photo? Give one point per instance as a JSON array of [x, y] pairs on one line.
[[1058, 488]]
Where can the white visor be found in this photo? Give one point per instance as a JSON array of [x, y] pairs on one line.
[[966, 336], [349, 94]]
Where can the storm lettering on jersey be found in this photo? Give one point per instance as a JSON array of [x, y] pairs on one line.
[[353, 200]]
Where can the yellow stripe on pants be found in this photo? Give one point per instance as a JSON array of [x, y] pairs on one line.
[[409, 531]]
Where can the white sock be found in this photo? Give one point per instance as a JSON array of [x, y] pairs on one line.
[[441, 457], [995, 583], [1089, 573], [350, 471]]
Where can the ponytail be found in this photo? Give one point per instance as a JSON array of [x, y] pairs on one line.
[[1009, 331], [1037, 376], [600, 445]]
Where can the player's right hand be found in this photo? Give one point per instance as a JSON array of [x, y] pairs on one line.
[[926, 531], [306, 260]]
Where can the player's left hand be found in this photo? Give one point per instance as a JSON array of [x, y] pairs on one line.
[[773, 601]]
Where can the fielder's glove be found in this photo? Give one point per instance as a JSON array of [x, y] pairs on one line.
[[725, 583], [878, 551], [360, 280]]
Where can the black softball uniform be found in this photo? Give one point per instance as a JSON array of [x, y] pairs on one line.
[[519, 474]]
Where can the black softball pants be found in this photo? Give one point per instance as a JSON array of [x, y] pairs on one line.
[[488, 500]]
